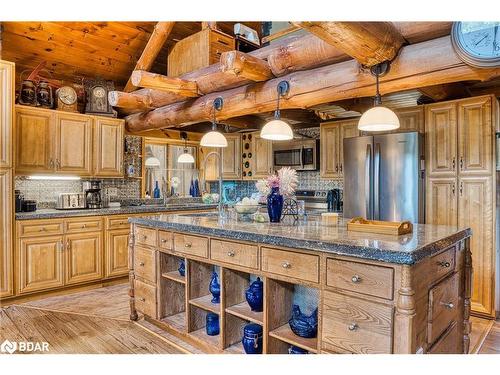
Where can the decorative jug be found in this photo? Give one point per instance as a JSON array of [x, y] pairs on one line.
[[182, 268], [212, 326], [252, 338], [296, 350], [274, 205], [255, 295], [303, 325], [28, 93], [214, 288]]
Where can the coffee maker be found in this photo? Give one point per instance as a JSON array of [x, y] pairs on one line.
[[92, 191]]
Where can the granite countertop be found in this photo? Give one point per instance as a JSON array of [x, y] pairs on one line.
[[425, 240], [51, 213]]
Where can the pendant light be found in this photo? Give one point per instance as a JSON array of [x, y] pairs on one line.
[[185, 157], [378, 118], [214, 138], [277, 129], [151, 160]]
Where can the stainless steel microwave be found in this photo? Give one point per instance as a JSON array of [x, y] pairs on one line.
[[300, 154]]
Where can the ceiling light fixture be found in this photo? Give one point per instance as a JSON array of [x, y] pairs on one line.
[[378, 118], [277, 129], [214, 138], [185, 157]]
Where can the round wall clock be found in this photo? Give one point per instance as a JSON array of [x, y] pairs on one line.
[[67, 95], [477, 43]]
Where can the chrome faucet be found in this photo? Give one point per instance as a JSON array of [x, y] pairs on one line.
[[218, 154]]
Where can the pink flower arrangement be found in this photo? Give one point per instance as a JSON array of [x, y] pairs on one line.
[[286, 180]]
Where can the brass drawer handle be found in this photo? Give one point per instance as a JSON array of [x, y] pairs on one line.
[[142, 299], [163, 240], [84, 226], [356, 279], [448, 305], [353, 327], [444, 264], [188, 244], [230, 254], [141, 264], [42, 229], [286, 265]]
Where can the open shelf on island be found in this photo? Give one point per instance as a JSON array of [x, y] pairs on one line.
[[205, 303], [284, 333], [236, 348], [177, 321], [175, 276], [201, 334], [243, 310]]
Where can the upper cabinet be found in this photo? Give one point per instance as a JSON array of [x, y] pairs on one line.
[[49, 141], [6, 112], [411, 119], [262, 159], [231, 160]]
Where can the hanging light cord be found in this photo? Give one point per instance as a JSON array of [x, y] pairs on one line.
[[214, 125], [378, 98], [277, 114]]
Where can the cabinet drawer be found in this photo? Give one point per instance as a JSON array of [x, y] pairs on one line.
[[368, 279], [145, 298], [191, 245], [235, 253], [83, 225], [40, 228], [145, 236], [443, 307], [287, 263], [442, 263], [449, 343], [165, 239], [145, 264], [117, 222], [355, 326]]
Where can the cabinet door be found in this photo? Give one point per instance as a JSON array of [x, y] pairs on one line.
[[231, 158], [330, 153], [347, 130], [34, 140], [108, 147], [6, 112], [6, 241], [40, 263], [262, 156], [73, 144], [441, 201], [475, 136], [116, 253], [83, 257], [476, 211], [209, 163], [411, 119], [441, 139]]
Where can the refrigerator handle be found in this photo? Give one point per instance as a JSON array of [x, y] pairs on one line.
[[368, 162], [376, 182]]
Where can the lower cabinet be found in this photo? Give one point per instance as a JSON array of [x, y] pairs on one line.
[[116, 253], [83, 257]]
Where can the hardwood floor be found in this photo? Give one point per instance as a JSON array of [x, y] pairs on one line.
[[491, 344]]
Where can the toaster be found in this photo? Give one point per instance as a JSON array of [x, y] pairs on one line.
[[70, 201]]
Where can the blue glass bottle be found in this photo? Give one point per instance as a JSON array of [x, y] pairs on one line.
[[252, 338], [182, 268], [274, 205], [212, 326], [214, 288], [156, 191]]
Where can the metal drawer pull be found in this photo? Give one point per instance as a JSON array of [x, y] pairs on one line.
[[84, 226], [230, 253], [352, 327], [141, 264], [444, 264], [448, 305], [142, 299], [188, 244], [286, 265], [42, 229], [356, 279], [163, 240]]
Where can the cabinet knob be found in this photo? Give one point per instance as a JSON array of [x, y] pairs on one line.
[[448, 305], [356, 279], [352, 327], [230, 253], [141, 264], [84, 226], [188, 244], [142, 299], [163, 240], [444, 264], [286, 265]]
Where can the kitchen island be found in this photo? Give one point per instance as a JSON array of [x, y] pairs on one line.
[[375, 293]]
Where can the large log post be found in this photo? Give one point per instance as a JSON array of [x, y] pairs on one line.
[[368, 42], [423, 64]]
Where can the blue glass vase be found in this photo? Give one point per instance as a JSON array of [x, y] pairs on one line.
[[182, 268], [212, 326], [255, 295], [214, 288], [252, 338], [274, 205]]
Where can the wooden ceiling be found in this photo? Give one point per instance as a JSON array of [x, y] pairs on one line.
[[74, 50]]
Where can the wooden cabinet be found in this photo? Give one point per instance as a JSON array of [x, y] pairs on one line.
[[209, 163], [116, 253], [262, 150], [7, 84], [332, 135], [40, 263], [83, 257], [231, 158], [411, 119], [73, 144], [6, 230], [441, 201], [108, 147], [34, 140]]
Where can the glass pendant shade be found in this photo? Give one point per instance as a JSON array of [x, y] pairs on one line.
[[152, 162], [277, 130], [378, 118], [213, 139], [185, 157]]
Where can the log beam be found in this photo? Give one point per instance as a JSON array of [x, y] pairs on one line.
[[141, 78], [244, 65], [418, 65], [153, 47], [368, 42], [129, 100]]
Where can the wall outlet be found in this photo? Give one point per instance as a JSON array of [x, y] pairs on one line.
[[112, 192]]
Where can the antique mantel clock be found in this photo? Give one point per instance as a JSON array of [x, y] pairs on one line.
[[67, 99], [96, 92], [477, 43]]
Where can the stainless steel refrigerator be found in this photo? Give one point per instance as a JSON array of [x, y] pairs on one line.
[[384, 177]]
